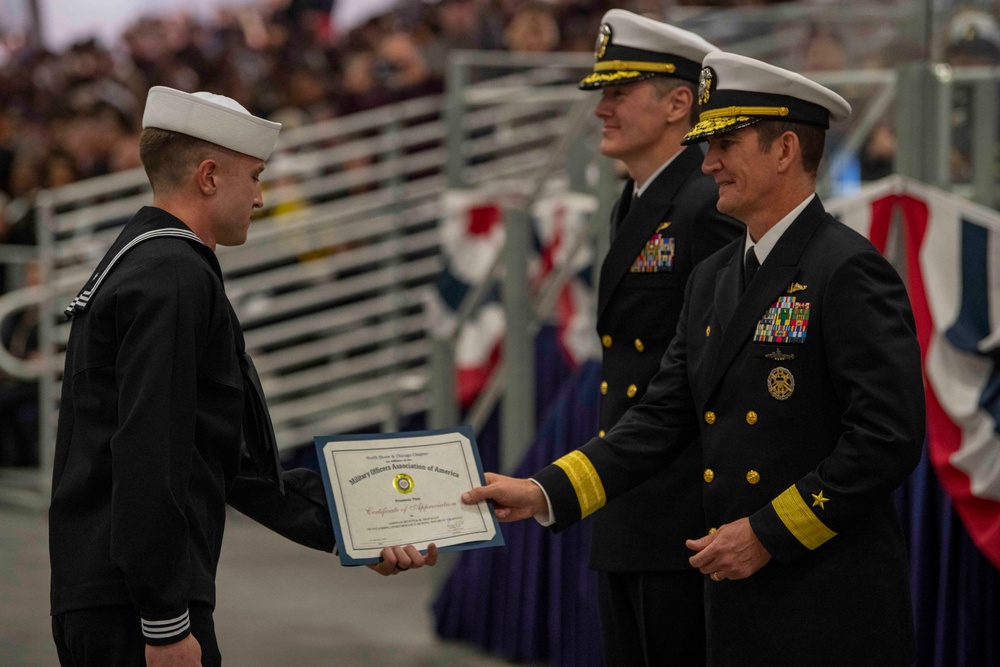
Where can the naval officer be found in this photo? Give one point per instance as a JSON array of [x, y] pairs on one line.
[[796, 360], [664, 223]]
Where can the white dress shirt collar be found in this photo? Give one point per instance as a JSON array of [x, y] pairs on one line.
[[766, 243], [639, 189]]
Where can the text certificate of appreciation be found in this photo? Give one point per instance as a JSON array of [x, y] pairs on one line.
[[404, 488]]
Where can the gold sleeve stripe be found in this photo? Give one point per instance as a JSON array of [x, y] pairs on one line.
[[585, 480], [743, 111], [800, 520], [605, 65]]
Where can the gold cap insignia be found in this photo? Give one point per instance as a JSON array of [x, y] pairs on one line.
[[603, 39], [778, 355], [780, 383], [705, 85], [795, 287]]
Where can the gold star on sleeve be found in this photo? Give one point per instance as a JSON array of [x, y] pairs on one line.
[[818, 499]]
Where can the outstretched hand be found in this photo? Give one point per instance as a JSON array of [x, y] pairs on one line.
[[513, 498], [400, 559], [731, 552]]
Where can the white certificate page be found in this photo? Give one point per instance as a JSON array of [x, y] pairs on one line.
[[405, 490]]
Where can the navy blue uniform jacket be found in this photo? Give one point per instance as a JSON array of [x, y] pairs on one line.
[[808, 437], [149, 447], [637, 315]]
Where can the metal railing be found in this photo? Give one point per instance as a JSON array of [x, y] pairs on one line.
[[329, 286], [331, 283]]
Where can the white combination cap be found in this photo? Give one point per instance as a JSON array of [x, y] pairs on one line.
[[631, 48], [214, 118], [736, 91]]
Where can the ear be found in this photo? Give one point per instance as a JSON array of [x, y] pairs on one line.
[[789, 152], [679, 102], [207, 177]]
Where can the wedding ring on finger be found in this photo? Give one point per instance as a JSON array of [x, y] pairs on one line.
[[715, 576]]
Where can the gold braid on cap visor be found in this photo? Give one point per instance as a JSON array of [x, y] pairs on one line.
[[725, 112], [662, 68], [612, 76]]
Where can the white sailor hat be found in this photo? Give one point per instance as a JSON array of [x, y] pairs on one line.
[[214, 118], [735, 92], [632, 48]]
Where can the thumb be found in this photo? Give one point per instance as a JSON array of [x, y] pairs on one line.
[[476, 495], [700, 543], [481, 493]]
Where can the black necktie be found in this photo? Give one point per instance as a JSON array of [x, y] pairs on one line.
[[750, 267]]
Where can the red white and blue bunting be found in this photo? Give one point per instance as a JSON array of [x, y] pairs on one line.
[[952, 254]]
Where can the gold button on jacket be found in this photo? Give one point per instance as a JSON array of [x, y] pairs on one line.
[[639, 346], [753, 476], [606, 340], [709, 474], [751, 417], [600, 434], [710, 417], [604, 387], [632, 390]]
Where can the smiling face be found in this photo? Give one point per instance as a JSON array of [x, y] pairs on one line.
[[635, 120], [747, 176]]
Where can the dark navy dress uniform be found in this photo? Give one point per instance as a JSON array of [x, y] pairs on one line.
[[806, 392], [161, 424], [658, 238]]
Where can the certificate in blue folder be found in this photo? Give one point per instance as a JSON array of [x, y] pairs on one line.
[[404, 488]]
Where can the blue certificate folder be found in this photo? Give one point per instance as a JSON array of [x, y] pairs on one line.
[[408, 485]]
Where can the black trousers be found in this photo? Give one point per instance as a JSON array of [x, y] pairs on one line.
[[655, 619], [104, 636]]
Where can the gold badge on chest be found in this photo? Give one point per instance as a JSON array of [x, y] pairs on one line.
[[780, 383]]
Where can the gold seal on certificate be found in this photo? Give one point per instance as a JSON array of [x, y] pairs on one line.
[[403, 483], [404, 488]]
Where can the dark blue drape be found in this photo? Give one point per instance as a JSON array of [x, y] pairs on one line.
[[956, 590], [535, 600]]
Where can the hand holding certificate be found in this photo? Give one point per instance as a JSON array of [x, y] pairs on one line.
[[404, 488]]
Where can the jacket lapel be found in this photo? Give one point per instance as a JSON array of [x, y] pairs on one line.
[[727, 288], [642, 218], [622, 205], [771, 282]]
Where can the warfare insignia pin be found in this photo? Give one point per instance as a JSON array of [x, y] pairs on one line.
[[657, 255], [795, 287], [663, 225], [786, 321], [403, 483], [603, 39], [705, 85], [778, 355], [780, 383]]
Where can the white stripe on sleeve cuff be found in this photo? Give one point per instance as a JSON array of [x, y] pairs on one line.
[[167, 628]]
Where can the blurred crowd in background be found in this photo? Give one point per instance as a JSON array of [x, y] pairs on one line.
[[75, 114]]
